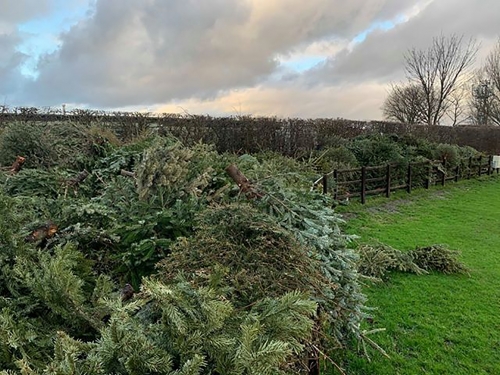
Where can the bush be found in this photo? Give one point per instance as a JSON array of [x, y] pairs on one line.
[[340, 157], [27, 140], [466, 152], [450, 153], [418, 147], [45, 145], [376, 150], [224, 284]]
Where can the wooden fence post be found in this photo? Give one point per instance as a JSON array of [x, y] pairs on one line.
[[363, 185], [457, 173], [388, 181], [408, 179], [490, 161], [480, 165], [443, 177], [336, 181], [314, 366], [470, 168], [428, 179], [325, 184]]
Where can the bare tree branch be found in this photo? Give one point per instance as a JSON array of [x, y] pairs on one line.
[[492, 67], [438, 70], [404, 104]]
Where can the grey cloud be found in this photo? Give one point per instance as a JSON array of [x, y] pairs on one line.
[[380, 56], [145, 52], [11, 78], [13, 11], [12, 14]]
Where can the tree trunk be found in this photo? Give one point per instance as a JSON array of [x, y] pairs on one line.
[[243, 183], [17, 165]]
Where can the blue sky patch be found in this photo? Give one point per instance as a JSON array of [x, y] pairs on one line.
[[380, 25], [304, 63], [41, 35]]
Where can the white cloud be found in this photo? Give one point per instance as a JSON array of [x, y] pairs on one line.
[[14, 11], [283, 57], [347, 101], [147, 52]]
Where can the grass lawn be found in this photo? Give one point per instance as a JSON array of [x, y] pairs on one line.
[[435, 324]]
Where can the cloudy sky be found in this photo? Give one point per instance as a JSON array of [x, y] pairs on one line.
[[287, 58]]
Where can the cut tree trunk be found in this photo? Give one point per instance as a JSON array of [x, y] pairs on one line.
[[125, 173], [17, 165], [78, 179], [246, 187], [127, 292], [43, 232]]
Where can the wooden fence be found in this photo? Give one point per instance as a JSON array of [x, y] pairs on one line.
[[385, 179]]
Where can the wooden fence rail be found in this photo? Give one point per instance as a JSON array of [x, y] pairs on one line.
[[385, 179]]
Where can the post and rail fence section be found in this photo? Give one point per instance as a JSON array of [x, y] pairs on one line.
[[385, 179]]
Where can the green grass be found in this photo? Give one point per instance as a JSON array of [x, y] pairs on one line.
[[435, 324]]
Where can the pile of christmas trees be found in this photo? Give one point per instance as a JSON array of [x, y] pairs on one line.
[[153, 257]]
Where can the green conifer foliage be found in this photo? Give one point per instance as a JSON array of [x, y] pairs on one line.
[[309, 217], [258, 256], [171, 171], [180, 329], [240, 286]]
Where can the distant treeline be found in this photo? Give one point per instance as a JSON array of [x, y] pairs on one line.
[[249, 134]]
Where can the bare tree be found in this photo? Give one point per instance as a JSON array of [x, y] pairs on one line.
[[438, 71], [492, 68], [483, 104], [485, 99], [404, 104]]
